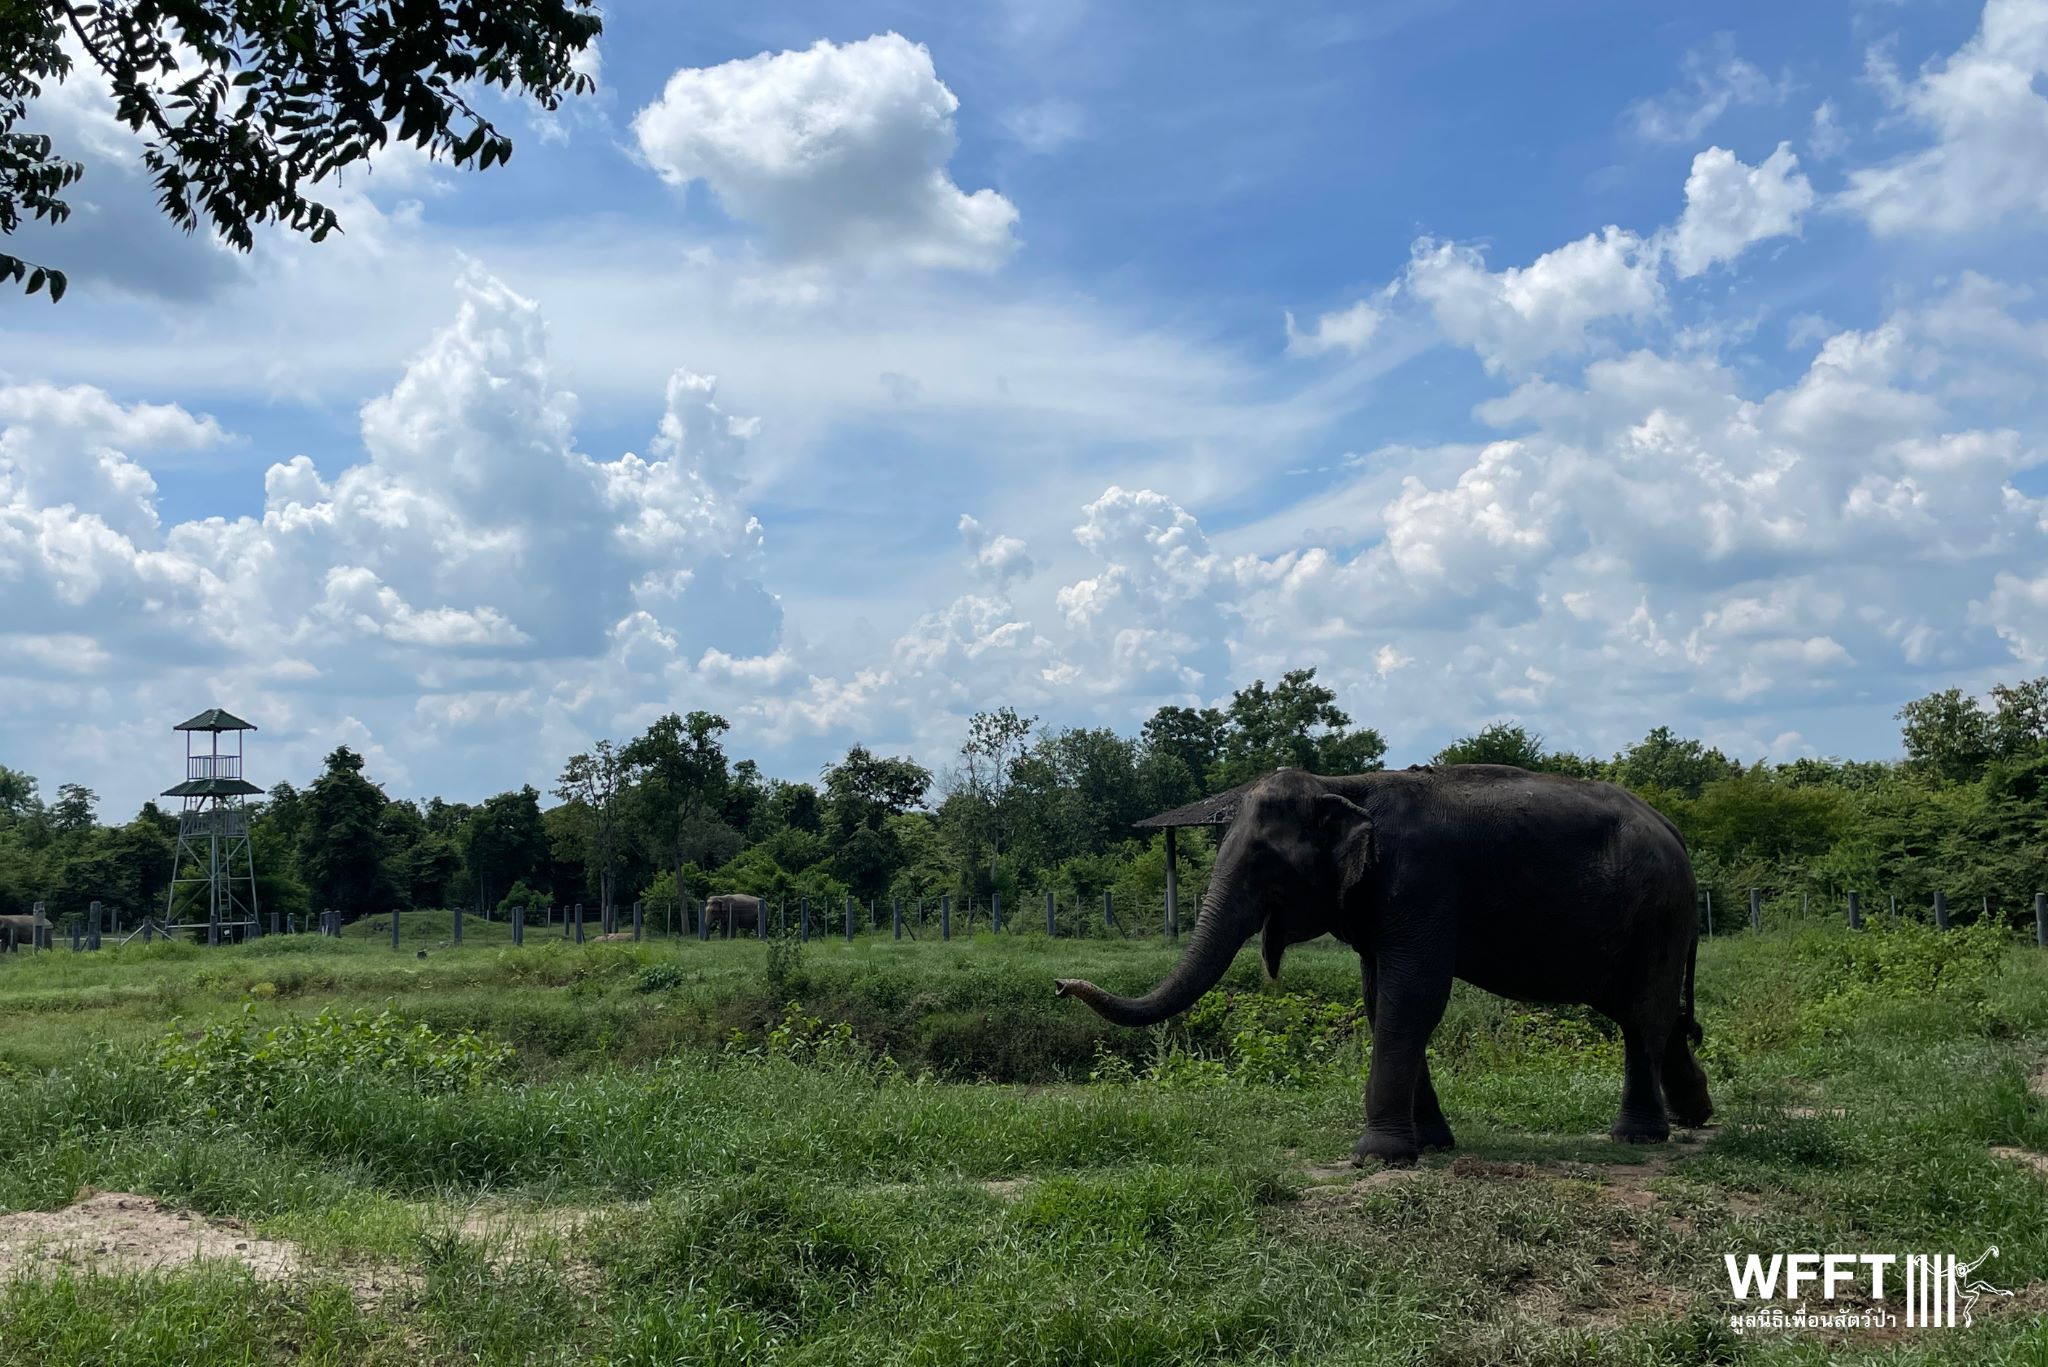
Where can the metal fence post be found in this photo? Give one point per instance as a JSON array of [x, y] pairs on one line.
[[1756, 912], [212, 923], [849, 918], [92, 926], [518, 926], [77, 938], [637, 926], [1710, 913], [946, 916], [1855, 911], [273, 923], [579, 923], [2041, 919], [995, 912], [703, 918], [803, 905], [896, 916], [1941, 911]]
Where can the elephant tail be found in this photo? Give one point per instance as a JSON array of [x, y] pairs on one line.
[[1692, 1020]]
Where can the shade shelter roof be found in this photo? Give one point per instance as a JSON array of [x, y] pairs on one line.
[[1214, 810], [213, 787], [215, 719]]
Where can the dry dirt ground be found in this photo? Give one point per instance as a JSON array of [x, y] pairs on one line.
[[123, 1232]]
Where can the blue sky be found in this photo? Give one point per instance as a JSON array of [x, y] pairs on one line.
[[1591, 366]]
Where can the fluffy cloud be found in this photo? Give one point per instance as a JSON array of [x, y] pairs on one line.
[[1516, 317], [834, 152], [996, 558], [1729, 205], [1989, 117]]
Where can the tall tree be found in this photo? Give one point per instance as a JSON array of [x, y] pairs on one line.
[[1192, 735], [1296, 724], [1948, 735], [241, 107], [2019, 724], [343, 846], [976, 808], [504, 841], [1664, 759], [680, 793], [862, 792], [595, 785]]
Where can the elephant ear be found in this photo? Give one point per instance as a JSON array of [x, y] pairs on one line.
[[1343, 829], [1353, 849]]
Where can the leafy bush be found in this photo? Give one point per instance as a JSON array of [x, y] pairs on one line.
[[1282, 1039], [237, 1064], [665, 976], [806, 1039], [1885, 964]]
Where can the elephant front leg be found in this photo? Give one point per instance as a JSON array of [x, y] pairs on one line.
[[1432, 1130], [1404, 1015]]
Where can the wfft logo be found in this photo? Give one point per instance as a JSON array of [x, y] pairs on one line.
[[1940, 1291]]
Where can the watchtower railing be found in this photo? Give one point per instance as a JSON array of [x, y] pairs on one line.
[[213, 766]]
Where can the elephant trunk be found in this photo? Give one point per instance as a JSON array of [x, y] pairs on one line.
[[1228, 917]]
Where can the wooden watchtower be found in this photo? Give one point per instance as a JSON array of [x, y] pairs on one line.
[[213, 828]]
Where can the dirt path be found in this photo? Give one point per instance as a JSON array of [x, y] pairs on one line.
[[118, 1231]]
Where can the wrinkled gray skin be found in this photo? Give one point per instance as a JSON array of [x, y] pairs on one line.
[[1532, 886], [743, 911]]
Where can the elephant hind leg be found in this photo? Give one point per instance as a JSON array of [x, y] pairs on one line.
[[1642, 1119], [1685, 1083]]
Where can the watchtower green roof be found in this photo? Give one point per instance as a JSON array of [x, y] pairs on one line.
[[215, 719], [214, 787]]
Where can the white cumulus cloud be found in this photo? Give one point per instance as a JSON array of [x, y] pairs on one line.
[[1729, 206], [835, 151], [1989, 116]]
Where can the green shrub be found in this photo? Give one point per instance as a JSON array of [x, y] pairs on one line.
[[239, 1065]]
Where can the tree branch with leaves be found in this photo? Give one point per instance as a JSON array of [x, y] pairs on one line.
[[242, 107]]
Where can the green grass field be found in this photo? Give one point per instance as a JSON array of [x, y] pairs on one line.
[[680, 1152]]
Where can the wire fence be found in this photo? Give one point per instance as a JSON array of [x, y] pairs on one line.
[[895, 918]]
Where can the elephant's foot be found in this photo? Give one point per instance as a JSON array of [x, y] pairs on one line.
[[1692, 1114], [1641, 1130], [1394, 1150], [1431, 1135]]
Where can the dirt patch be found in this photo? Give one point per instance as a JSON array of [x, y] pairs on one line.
[[1007, 1188], [2026, 1158], [118, 1231], [517, 1228], [2038, 1083]]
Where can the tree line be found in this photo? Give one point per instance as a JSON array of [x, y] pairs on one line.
[[1026, 809]]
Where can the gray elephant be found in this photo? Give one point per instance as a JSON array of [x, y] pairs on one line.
[[733, 913], [26, 930], [1532, 886]]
